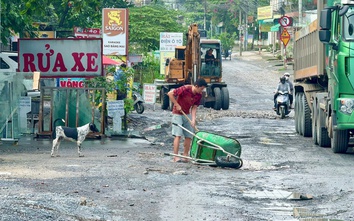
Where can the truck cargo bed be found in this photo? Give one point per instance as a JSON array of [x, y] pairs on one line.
[[308, 53]]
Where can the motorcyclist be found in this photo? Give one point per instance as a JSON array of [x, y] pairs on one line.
[[283, 86], [287, 76]]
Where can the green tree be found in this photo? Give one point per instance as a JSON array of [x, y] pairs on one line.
[[84, 13], [145, 22], [19, 15], [14, 18], [145, 25], [148, 70], [193, 12], [227, 40]]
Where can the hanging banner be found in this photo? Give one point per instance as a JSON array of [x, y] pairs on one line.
[[115, 31]]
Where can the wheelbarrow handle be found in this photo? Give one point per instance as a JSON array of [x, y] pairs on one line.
[[190, 121], [178, 125], [193, 160]]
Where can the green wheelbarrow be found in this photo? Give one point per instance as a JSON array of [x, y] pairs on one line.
[[213, 150]]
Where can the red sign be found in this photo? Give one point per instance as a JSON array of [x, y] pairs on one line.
[[70, 57], [285, 21], [72, 82], [87, 32]]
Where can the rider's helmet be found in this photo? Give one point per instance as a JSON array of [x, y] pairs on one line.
[[282, 80], [286, 75]]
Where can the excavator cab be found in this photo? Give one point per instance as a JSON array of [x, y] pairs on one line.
[[211, 69]]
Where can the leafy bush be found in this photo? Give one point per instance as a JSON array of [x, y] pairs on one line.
[[111, 86], [148, 70]]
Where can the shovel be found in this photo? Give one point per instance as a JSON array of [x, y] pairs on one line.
[[190, 121]]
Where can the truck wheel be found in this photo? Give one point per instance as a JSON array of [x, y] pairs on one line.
[[307, 123], [314, 122], [225, 98], [339, 142], [165, 100], [218, 98], [301, 115], [322, 133], [296, 113], [208, 104]]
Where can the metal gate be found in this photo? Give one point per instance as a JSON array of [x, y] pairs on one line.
[[75, 105]]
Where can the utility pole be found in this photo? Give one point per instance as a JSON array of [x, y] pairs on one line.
[[241, 34], [205, 8], [211, 28], [0, 28], [300, 12], [246, 29]]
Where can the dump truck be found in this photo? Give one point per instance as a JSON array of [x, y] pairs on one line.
[[324, 76], [189, 64]]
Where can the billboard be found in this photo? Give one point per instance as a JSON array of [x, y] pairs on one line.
[[169, 40], [115, 31], [265, 12], [53, 58], [45, 34]]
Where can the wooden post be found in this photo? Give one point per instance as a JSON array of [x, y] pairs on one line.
[[259, 38], [241, 40]]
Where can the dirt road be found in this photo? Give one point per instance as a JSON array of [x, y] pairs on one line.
[[131, 179]]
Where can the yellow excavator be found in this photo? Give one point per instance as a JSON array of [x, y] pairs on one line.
[[189, 64]]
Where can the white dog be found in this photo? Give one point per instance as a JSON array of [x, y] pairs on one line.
[[77, 135]]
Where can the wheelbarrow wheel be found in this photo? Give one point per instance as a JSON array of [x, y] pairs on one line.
[[231, 162]]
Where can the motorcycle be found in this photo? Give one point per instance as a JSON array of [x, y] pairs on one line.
[[282, 104], [226, 54], [138, 102]]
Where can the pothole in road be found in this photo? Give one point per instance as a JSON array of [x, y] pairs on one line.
[[281, 208], [267, 141], [306, 215], [268, 194], [254, 165], [277, 194]]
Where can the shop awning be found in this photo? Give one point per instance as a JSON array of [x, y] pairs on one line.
[[275, 28], [264, 25], [108, 61]]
